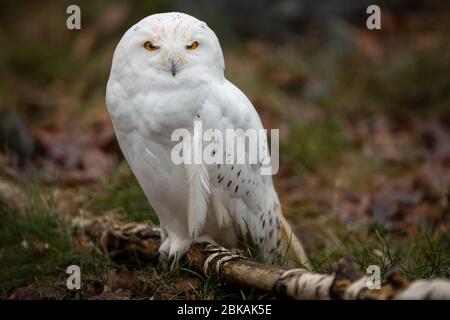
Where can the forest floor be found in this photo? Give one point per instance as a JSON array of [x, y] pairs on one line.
[[364, 120]]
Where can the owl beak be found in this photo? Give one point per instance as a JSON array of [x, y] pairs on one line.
[[173, 68]]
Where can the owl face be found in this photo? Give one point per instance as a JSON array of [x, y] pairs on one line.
[[170, 48]]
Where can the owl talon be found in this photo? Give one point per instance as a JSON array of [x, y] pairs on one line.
[[171, 264]]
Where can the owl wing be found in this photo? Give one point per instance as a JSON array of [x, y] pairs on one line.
[[240, 195]]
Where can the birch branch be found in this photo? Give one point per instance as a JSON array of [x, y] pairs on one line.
[[237, 270]]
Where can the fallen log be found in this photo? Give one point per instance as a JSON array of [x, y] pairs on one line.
[[237, 270]]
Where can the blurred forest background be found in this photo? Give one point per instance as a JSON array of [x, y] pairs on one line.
[[365, 134]]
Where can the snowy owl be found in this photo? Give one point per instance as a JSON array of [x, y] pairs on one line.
[[168, 72]]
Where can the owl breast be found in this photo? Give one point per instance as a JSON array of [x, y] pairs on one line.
[[156, 114]]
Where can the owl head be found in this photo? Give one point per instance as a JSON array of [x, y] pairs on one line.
[[169, 49]]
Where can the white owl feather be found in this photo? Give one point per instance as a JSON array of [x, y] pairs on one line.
[[198, 189]]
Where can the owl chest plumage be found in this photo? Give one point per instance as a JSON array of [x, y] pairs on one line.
[[144, 123]]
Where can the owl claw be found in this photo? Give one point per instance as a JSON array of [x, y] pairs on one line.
[[163, 255], [170, 253], [171, 262]]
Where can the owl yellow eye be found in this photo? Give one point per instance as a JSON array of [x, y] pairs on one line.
[[150, 47], [192, 46]]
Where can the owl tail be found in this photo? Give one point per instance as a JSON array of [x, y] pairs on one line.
[[292, 245]]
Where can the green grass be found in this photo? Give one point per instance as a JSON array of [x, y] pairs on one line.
[[422, 257], [36, 247], [427, 256], [314, 145], [33, 245], [123, 193]]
